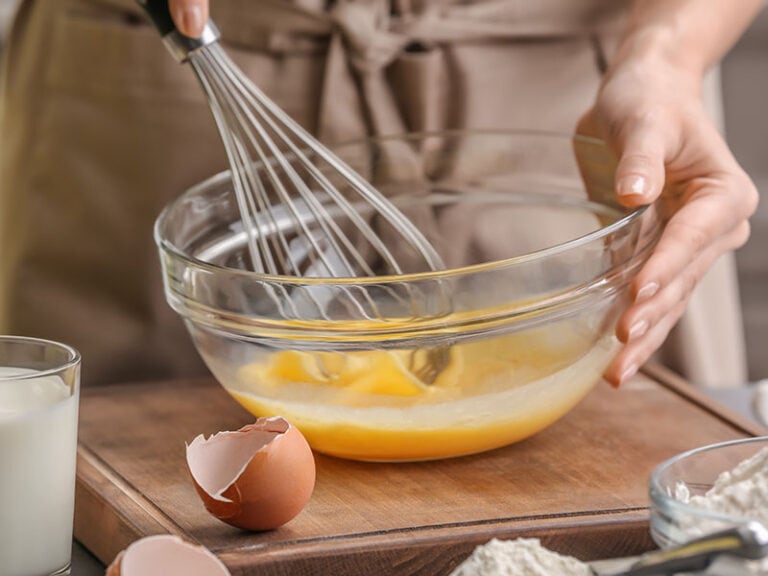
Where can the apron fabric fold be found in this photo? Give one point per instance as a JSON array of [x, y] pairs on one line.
[[101, 128]]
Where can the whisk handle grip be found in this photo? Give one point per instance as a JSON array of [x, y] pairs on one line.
[[179, 45], [160, 14]]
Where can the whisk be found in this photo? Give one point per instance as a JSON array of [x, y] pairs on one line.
[[281, 174]]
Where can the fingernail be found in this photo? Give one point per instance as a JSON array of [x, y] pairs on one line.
[[647, 291], [191, 18], [632, 186], [628, 373], [638, 329]]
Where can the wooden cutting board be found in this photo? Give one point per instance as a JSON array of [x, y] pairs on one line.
[[579, 485]]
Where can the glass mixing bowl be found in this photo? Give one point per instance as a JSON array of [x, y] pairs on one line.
[[539, 257]]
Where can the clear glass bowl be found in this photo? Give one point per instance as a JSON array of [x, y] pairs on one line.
[[691, 474], [539, 258]]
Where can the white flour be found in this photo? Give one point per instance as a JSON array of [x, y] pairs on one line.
[[521, 557], [741, 492]]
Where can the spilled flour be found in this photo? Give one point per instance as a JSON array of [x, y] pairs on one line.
[[520, 557]]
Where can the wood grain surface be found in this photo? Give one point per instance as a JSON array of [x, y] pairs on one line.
[[580, 485]]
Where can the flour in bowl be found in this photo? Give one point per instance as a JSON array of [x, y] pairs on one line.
[[742, 491], [520, 557]]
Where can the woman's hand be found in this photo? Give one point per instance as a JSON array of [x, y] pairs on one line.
[[190, 16], [650, 112]]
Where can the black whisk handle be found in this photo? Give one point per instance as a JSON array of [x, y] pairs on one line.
[[160, 14], [179, 45]]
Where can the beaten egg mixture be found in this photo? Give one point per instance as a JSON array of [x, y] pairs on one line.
[[370, 405]]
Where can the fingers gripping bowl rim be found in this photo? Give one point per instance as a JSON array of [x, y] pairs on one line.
[[539, 258]]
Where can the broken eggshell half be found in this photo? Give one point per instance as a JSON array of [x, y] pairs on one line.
[[256, 478], [166, 554]]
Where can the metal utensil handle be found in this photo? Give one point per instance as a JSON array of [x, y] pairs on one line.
[[179, 45], [749, 541]]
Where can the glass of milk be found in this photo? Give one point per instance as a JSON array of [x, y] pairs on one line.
[[39, 391]]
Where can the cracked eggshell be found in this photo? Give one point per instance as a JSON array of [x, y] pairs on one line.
[[163, 555], [255, 478]]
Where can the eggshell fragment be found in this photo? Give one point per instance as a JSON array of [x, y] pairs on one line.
[[255, 478], [163, 555]]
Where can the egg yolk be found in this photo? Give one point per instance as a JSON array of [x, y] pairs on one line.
[[371, 405], [358, 373]]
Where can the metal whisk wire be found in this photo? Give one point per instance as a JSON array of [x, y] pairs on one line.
[[275, 138], [278, 177]]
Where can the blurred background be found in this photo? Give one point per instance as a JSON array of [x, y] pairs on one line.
[[745, 87], [6, 7]]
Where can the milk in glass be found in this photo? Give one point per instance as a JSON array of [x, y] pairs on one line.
[[38, 440]]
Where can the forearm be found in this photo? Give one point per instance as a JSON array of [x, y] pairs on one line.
[[690, 35]]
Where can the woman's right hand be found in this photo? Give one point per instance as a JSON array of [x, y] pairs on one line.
[[190, 16]]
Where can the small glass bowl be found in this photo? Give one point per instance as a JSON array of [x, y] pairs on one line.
[[693, 473], [540, 257]]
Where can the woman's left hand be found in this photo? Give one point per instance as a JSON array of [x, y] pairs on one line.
[[670, 152]]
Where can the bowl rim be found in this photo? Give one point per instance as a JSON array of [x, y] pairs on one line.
[[219, 178], [659, 496]]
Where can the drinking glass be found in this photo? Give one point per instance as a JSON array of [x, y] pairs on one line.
[[39, 392]]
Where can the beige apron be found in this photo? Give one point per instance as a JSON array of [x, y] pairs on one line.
[[101, 128]]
